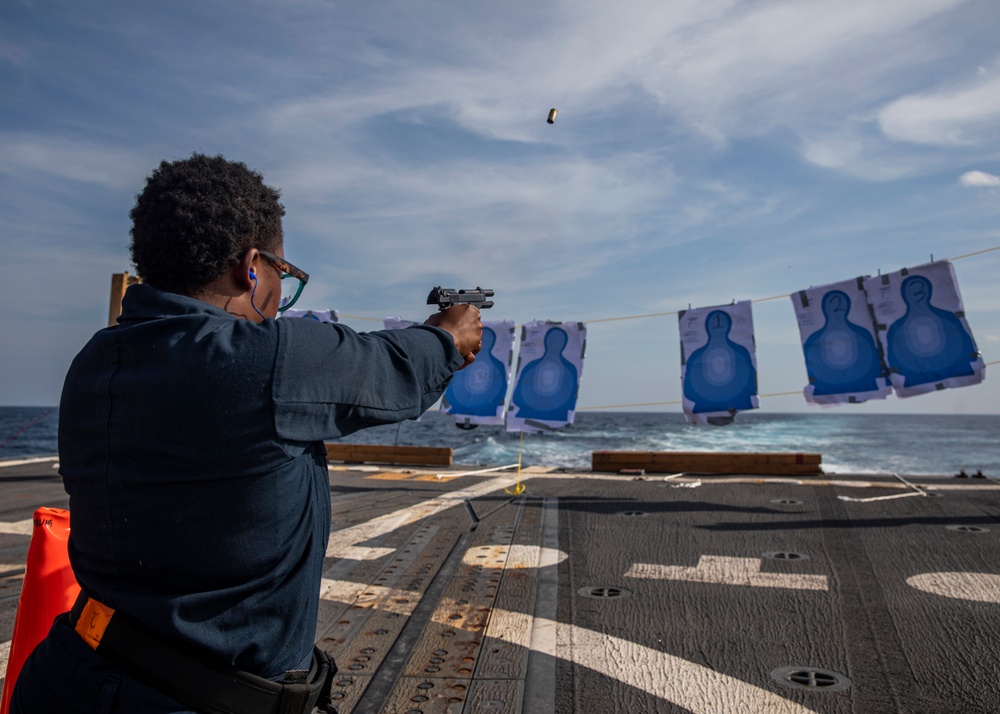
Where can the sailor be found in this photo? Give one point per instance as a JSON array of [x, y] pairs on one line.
[[191, 446]]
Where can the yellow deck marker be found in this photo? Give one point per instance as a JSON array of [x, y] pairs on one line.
[[518, 487]]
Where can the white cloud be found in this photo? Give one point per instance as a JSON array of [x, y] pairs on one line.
[[456, 217], [712, 69], [788, 63], [15, 54], [721, 67], [857, 154], [948, 117], [978, 179], [87, 162]]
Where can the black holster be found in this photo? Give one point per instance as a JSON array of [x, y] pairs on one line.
[[195, 678]]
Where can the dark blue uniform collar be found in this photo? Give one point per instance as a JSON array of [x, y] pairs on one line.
[[144, 302]]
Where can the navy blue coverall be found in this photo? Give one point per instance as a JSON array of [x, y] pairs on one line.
[[191, 446]]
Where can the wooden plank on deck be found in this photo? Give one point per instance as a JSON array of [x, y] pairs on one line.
[[412, 455], [774, 464]]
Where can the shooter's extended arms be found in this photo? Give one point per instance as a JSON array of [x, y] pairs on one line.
[[446, 297]]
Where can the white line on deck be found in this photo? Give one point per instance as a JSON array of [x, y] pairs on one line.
[[540, 679], [25, 527], [4, 656], [882, 498], [670, 678], [378, 597], [688, 685], [722, 570], [977, 587], [343, 543], [36, 460]]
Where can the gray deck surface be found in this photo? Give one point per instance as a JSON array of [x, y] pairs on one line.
[[605, 593]]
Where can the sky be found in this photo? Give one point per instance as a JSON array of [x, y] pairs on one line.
[[704, 151]]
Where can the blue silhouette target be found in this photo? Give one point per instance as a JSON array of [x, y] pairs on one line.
[[928, 343], [477, 393], [547, 384], [720, 375], [547, 387], [841, 350]]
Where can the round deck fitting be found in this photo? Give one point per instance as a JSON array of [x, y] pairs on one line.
[[785, 555], [968, 529], [603, 592], [813, 679]]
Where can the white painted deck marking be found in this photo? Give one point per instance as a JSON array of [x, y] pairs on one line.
[[673, 679], [36, 460], [343, 543], [986, 484], [722, 570], [882, 498], [540, 679], [978, 587], [342, 591], [376, 597], [688, 685], [25, 527], [4, 656], [518, 556]]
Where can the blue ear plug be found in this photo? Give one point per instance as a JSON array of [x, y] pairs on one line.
[[253, 276]]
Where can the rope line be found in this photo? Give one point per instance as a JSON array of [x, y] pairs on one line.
[[773, 297], [632, 317], [677, 312], [766, 299], [360, 317], [797, 392], [978, 252], [666, 314], [625, 406]]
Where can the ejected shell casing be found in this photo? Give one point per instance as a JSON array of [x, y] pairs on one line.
[[552, 116]]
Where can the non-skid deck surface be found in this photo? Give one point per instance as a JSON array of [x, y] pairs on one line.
[[600, 593]]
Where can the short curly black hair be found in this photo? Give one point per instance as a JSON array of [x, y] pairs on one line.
[[197, 217]]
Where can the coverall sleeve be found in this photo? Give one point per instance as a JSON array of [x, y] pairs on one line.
[[330, 381]]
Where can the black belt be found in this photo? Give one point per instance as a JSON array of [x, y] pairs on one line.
[[192, 677]]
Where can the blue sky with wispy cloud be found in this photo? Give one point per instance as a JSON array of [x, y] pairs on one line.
[[704, 151]]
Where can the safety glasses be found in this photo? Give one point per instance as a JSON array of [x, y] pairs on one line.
[[292, 279]]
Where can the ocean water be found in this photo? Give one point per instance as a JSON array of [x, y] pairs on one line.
[[28, 431], [917, 445], [914, 445]]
